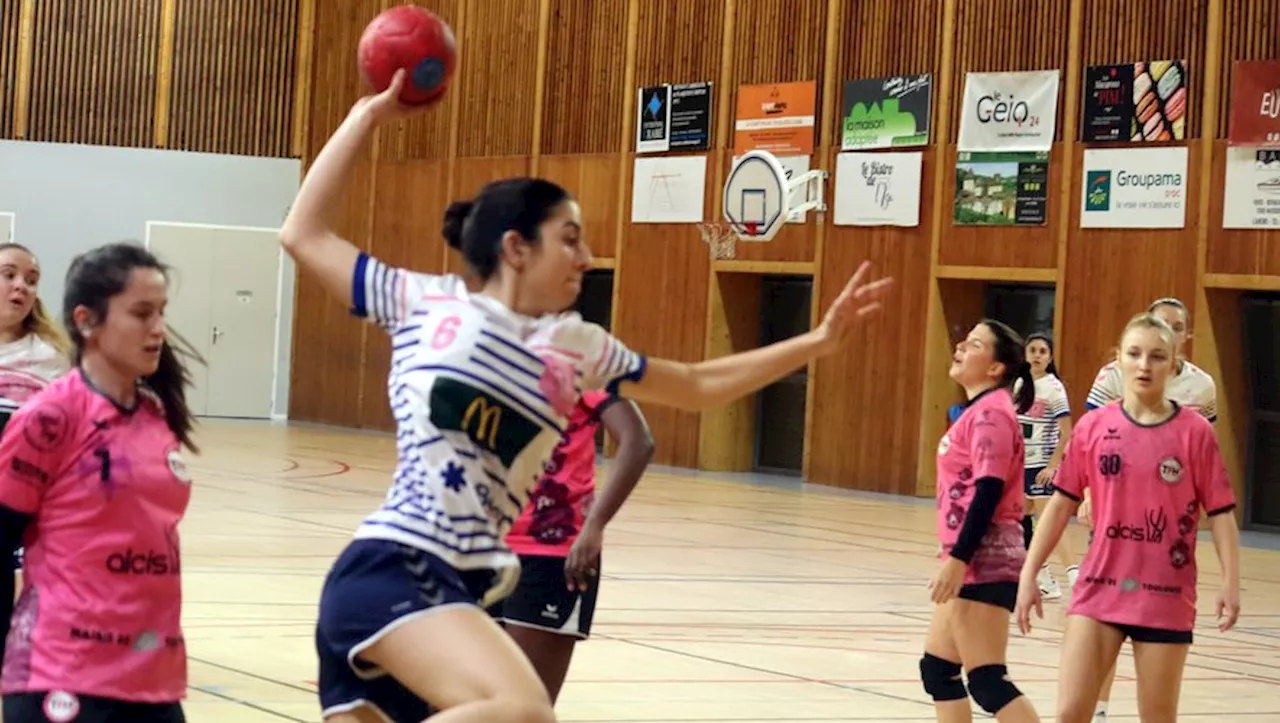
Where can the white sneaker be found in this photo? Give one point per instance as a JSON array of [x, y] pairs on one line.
[[1049, 589], [1073, 573], [1100, 717]]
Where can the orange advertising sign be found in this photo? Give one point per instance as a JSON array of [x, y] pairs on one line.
[[777, 117]]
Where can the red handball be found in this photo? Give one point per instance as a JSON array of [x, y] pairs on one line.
[[412, 38]]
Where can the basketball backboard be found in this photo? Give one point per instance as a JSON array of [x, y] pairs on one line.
[[757, 195]]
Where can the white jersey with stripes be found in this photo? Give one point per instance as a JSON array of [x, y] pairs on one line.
[[1040, 433], [480, 395], [27, 366], [1192, 388]]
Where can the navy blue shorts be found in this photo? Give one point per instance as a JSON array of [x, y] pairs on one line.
[[1031, 488], [374, 586]]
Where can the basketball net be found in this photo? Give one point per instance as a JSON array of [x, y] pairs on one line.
[[721, 238]]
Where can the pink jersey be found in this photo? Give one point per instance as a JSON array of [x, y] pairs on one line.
[[986, 441], [1147, 485], [558, 506], [100, 612]]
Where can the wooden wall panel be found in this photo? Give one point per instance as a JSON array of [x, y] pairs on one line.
[[1248, 252], [335, 81], [1004, 246], [426, 135], [93, 72], [1007, 35], [1151, 30], [661, 310], [498, 77], [1113, 274], [1252, 32], [679, 42], [233, 82], [593, 180], [541, 88], [584, 78], [10, 17], [864, 430], [407, 213], [328, 342]]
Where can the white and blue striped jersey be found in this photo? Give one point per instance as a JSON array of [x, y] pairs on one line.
[[480, 395], [1192, 388], [1040, 433]]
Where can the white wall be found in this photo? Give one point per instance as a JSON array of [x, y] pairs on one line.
[[67, 199]]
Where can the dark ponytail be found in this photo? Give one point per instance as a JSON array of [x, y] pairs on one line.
[[96, 276], [1011, 351], [475, 227]]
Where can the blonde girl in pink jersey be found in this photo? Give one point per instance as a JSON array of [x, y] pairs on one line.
[[33, 352], [980, 499], [560, 534], [91, 468], [1151, 466]]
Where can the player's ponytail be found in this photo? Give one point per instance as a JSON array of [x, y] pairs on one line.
[[1011, 352], [92, 280], [476, 227]]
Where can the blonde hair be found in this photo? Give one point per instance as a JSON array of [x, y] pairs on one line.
[[38, 321], [1148, 320]]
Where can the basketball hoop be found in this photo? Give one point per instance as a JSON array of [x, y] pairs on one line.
[[720, 238]]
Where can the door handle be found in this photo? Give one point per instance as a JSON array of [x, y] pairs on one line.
[[217, 333]]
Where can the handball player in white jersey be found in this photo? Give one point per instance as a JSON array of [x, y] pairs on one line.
[[1190, 387], [481, 385]]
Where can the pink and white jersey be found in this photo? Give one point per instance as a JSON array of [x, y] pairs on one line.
[[100, 612], [1192, 388], [1147, 485], [1040, 433], [986, 441], [27, 366], [558, 506]]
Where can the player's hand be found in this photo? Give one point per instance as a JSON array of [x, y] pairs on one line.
[[947, 580], [1228, 605], [1028, 598], [859, 300], [582, 566], [1084, 513], [1045, 476], [386, 105]]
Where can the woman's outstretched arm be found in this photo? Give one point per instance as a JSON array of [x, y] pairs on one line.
[[714, 382]]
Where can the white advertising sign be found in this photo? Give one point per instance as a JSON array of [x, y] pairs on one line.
[[1134, 188], [1009, 111], [1252, 189], [878, 189]]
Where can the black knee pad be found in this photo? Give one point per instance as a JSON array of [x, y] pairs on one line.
[[941, 678], [991, 688]]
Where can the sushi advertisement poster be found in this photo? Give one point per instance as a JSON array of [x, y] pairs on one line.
[[1134, 188], [1002, 189], [1252, 197], [1137, 102]]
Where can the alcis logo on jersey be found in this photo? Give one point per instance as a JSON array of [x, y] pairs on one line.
[[148, 563]]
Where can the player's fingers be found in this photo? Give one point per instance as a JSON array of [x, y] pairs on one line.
[[870, 309], [875, 288]]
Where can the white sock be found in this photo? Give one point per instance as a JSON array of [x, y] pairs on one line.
[[1102, 708]]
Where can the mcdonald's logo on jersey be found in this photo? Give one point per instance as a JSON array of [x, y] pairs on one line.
[[490, 423], [488, 419]]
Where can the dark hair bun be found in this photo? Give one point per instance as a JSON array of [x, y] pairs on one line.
[[454, 218]]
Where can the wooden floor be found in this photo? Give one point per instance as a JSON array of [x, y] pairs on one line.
[[722, 599]]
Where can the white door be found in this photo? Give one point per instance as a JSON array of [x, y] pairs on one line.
[[6, 227], [224, 302], [242, 353], [185, 250]]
